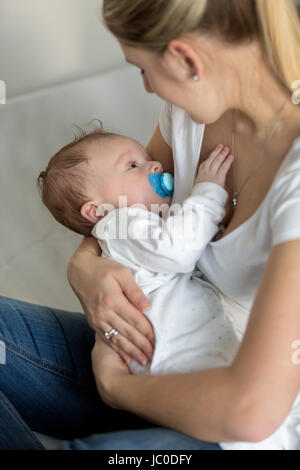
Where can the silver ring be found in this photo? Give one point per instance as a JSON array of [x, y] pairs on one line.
[[112, 333]]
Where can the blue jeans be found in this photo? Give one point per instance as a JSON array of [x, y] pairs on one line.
[[47, 386]]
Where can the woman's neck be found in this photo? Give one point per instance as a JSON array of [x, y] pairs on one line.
[[258, 98]]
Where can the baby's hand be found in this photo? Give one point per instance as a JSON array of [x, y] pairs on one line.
[[215, 167]]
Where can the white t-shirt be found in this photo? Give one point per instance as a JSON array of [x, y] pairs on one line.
[[235, 263]]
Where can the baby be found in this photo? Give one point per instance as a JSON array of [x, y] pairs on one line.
[[107, 186]]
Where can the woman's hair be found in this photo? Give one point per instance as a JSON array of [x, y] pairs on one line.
[[62, 185], [152, 24]]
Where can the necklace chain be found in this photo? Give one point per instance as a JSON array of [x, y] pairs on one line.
[[236, 193]]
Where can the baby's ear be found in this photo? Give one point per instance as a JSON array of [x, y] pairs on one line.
[[104, 209], [89, 211]]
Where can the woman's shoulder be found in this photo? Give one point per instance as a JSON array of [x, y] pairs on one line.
[[290, 166], [285, 198], [287, 180]]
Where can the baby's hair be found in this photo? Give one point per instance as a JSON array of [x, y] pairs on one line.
[[61, 186]]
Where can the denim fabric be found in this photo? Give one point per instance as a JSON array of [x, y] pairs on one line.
[[146, 439], [47, 386]]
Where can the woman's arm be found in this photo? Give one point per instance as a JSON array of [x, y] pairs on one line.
[[246, 401], [88, 245], [198, 404], [104, 287]]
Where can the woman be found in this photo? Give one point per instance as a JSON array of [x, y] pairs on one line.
[[229, 65]]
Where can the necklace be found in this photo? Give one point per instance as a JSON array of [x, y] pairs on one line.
[[236, 193]]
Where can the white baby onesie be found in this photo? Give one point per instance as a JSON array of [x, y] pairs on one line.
[[192, 332]]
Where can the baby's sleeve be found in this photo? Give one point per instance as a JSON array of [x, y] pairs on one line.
[[139, 238], [165, 122], [174, 245], [285, 206]]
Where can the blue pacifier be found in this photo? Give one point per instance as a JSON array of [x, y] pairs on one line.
[[163, 184]]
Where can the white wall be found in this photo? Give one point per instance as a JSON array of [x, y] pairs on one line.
[[46, 42]]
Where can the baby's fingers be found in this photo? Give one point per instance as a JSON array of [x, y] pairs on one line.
[[207, 163], [225, 165], [218, 159]]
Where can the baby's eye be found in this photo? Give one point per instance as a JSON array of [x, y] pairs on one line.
[[132, 165]]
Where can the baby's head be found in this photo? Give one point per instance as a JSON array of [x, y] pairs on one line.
[[93, 171]]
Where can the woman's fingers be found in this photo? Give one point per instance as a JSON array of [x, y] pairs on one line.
[[121, 344], [111, 299], [125, 357], [132, 291], [124, 309], [132, 325], [136, 321], [134, 336], [132, 303], [115, 310]]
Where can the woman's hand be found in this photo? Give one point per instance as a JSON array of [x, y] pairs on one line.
[[111, 298], [108, 367]]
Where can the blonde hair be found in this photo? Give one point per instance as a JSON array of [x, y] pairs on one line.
[[152, 24]]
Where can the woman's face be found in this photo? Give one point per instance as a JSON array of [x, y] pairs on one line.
[[170, 76]]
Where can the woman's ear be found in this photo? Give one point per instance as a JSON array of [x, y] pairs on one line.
[[182, 52]]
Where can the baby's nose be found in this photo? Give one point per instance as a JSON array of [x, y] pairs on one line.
[[156, 167]]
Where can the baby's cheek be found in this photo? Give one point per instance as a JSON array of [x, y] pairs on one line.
[[161, 201], [151, 197], [140, 194]]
